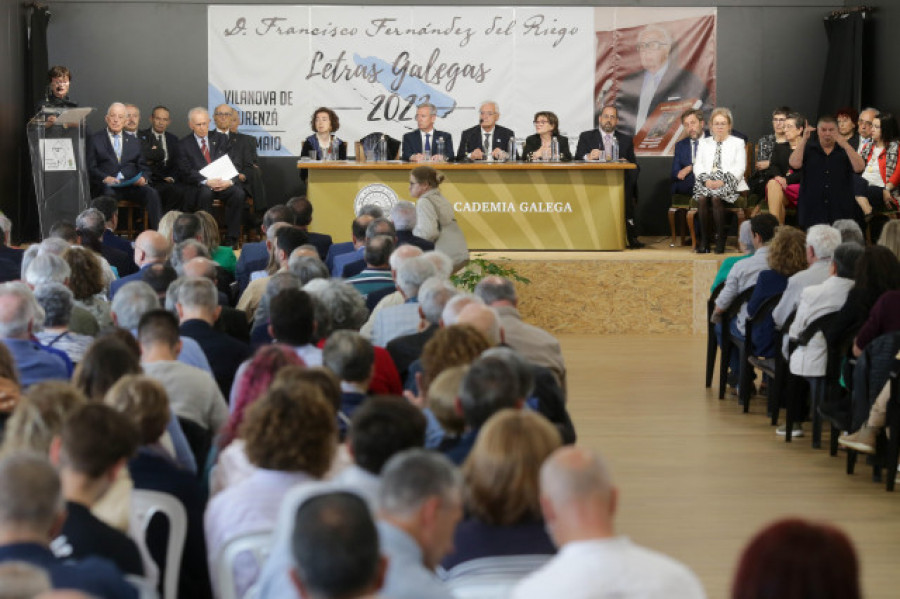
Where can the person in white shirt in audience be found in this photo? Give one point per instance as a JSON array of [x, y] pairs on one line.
[[403, 319], [398, 257], [821, 241], [579, 503]]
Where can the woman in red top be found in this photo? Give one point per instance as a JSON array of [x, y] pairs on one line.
[[875, 187]]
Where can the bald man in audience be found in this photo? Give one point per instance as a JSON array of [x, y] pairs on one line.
[[149, 248], [535, 344], [579, 501]]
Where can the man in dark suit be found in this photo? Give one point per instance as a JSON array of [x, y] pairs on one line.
[[425, 139], [255, 256], [303, 213], [110, 209], [486, 138], [685, 151], [246, 160], [114, 157], [149, 248], [659, 81], [161, 154], [196, 151], [591, 143], [89, 228], [198, 309]]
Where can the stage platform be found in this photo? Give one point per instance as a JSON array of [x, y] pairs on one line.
[[655, 290]]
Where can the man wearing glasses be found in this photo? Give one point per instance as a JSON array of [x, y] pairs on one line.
[[659, 81], [487, 140]]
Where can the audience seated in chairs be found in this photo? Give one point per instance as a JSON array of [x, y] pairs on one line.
[[783, 186], [255, 255], [303, 217], [745, 244], [875, 188], [87, 284], [352, 359], [682, 175], [821, 241], [765, 148]]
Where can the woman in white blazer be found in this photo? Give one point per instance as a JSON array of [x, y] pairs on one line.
[[719, 176]]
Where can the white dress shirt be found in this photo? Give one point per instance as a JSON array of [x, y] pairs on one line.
[[811, 359]]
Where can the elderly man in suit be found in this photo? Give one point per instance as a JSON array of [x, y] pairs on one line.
[[117, 168], [424, 140], [196, 151], [660, 80], [487, 140], [590, 145]]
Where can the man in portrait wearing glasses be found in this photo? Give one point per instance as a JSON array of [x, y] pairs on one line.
[[658, 81], [487, 140]]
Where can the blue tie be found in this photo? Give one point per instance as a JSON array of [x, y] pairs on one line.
[[117, 146], [428, 142]]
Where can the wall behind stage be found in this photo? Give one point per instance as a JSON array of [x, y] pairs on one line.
[[156, 52]]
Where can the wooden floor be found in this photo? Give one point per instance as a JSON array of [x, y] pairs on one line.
[[697, 476]]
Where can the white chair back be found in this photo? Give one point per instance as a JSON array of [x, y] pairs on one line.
[[257, 545], [146, 504], [490, 577]]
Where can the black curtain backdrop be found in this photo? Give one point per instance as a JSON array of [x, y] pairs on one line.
[[842, 83], [36, 67]]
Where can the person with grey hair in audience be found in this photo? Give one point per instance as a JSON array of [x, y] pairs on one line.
[[821, 241], [350, 265], [403, 319], [351, 358], [338, 307], [231, 321], [50, 268], [535, 344], [187, 250], [149, 248], [420, 505], [306, 266], [32, 512], [579, 503], [375, 281], [850, 231], [56, 301], [277, 283], [136, 299], [198, 309], [20, 315], [433, 296], [255, 255], [400, 255], [287, 238], [809, 360], [335, 548], [89, 228], [403, 213]]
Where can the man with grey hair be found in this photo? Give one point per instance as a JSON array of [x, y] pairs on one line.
[[149, 248], [198, 309], [659, 80], [535, 344], [420, 505], [487, 140], [231, 321], [32, 512], [306, 266], [864, 127], [57, 302], [579, 503], [197, 150], [821, 241], [850, 231], [136, 299], [90, 226], [400, 255], [403, 319], [187, 250], [423, 144], [403, 215], [352, 359], [20, 316], [116, 166], [433, 296]]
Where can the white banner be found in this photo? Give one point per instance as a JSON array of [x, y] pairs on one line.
[[374, 64]]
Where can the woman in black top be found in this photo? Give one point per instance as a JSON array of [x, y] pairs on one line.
[[537, 146], [784, 186]]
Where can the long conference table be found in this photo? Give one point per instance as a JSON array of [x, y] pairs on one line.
[[499, 206]]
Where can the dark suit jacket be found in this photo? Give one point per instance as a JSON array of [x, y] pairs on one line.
[[676, 84], [14, 255], [102, 161], [242, 151], [233, 322], [407, 349], [593, 140], [412, 143], [155, 155], [681, 159], [533, 143], [474, 138], [117, 284], [114, 241], [335, 250], [311, 144], [224, 353], [254, 256], [407, 238], [321, 241], [123, 261], [191, 160]]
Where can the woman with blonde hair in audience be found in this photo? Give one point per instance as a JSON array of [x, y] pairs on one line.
[[890, 236], [167, 223], [290, 437], [441, 401], [719, 177], [145, 402], [209, 236], [504, 525], [88, 284]]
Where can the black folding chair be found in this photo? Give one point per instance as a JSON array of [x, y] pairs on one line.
[[756, 321], [727, 341]]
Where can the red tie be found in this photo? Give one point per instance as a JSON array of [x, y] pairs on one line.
[[205, 150]]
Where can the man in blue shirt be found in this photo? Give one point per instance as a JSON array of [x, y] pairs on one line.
[[18, 311]]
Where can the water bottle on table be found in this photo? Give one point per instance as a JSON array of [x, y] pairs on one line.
[[440, 147], [554, 149], [614, 151]]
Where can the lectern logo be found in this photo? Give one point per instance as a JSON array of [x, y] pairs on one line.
[[375, 194]]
